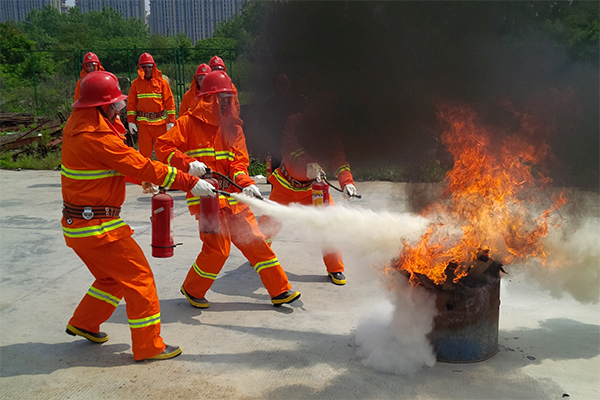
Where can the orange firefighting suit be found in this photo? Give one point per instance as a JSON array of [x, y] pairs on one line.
[[198, 135], [81, 75], [95, 163], [146, 104], [191, 99], [290, 183]]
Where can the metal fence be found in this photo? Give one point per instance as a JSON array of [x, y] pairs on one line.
[[43, 82]]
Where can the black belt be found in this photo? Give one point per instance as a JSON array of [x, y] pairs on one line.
[[150, 114], [294, 182], [71, 211]]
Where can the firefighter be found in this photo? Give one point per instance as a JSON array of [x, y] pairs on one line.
[[95, 164], [310, 147], [209, 136], [90, 63], [190, 98], [216, 64], [150, 98]]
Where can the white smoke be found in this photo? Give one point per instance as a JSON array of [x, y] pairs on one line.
[[393, 338]]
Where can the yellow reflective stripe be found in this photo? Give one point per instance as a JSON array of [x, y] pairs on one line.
[[170, 156], [149, 95], [297, 153], [238, 174], [171, 112], [150, 119], [104, 296], [286, 184], [94, 230], [131, 112], [86, 175], [232, 201], [206, 152], [344, 167], [143, 322], [204, 274], [224, 155], [273, 262], [170, 178], [192, 201]]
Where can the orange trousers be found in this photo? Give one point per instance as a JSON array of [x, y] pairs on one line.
[[242, 230], [147, 135], [121, 270], [271, 227]]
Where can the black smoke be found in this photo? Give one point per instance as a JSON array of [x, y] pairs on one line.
[[390, 64]]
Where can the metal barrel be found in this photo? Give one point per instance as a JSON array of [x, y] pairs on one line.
[[466, 327]]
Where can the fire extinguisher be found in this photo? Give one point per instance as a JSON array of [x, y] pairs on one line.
[[268, 165], [320, 193], [209, 209], [162, 225]]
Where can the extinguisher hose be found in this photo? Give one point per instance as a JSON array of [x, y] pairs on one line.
[[358, 196], [209, 171]]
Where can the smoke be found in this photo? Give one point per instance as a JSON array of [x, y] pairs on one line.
[[393, 338], [373, 237]]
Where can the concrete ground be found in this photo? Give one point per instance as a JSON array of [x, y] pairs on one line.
[[242, 347]]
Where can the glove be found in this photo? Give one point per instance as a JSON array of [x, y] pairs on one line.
[[149, 188], [203, 188], [197, 168], [350, 191], [133, 127], [170, 125], [313, 170], [252, 191]]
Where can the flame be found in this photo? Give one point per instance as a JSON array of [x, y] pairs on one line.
[[489, 192]]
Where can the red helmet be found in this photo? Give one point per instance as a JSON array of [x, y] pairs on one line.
[[203, 69], [146, 58], [99, 88], [90, 58], [217, 61], [216, 82]]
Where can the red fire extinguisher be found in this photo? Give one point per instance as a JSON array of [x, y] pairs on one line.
[[268, 165], [209, 210], [320, 193], [162, 225]]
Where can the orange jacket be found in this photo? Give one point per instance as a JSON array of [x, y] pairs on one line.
[[81, 75], [198, 135], [301, 145], [190, 99], [153, 96], [95, 163]]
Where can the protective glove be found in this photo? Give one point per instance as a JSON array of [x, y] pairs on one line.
[[203, 188], [170, 125], [350, 191], [149, 188], [252, 191], [133, 127], [197, 168], [313, 170]]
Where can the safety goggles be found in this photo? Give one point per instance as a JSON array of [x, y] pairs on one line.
[[118, 105]]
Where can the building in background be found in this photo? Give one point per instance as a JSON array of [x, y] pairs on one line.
[[127, 8], [196, 18], [17, 10]]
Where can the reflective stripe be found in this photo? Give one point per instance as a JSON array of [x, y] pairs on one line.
[[86, 175], [273, 262], [288, 185], [171, 112], [238, 174], [224, 155], [131, 112], [149, 95], [206, 152], [297, 153], [170, 178], [170, 156], [231, 201], [344, 167], [151, 120], [144, 322], [94, 230], [104, 296], [192, 201], [204, 274]]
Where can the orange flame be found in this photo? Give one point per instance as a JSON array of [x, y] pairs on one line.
[[489, 198]]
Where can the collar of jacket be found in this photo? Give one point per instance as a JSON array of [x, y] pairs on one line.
[[89, 119]]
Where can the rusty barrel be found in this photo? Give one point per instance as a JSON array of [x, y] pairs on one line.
[[466, 327]]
